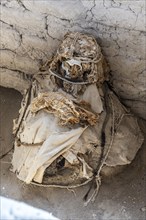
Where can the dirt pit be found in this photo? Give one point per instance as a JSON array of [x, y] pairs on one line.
[[120, 197]]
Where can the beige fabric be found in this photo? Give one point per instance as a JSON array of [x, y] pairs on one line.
[[91, 95], [127, 141], [52, 148], [33, 158]]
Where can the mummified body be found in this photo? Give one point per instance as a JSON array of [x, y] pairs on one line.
[[71, 126]]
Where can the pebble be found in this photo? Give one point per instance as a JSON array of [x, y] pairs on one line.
[[143, 209], [94, 215]]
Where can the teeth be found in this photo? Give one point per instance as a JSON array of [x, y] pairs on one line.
[[72, 62]]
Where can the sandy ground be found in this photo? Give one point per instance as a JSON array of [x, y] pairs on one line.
[[120, 198]]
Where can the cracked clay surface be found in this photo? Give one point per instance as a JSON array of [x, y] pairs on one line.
[[32, 30]]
